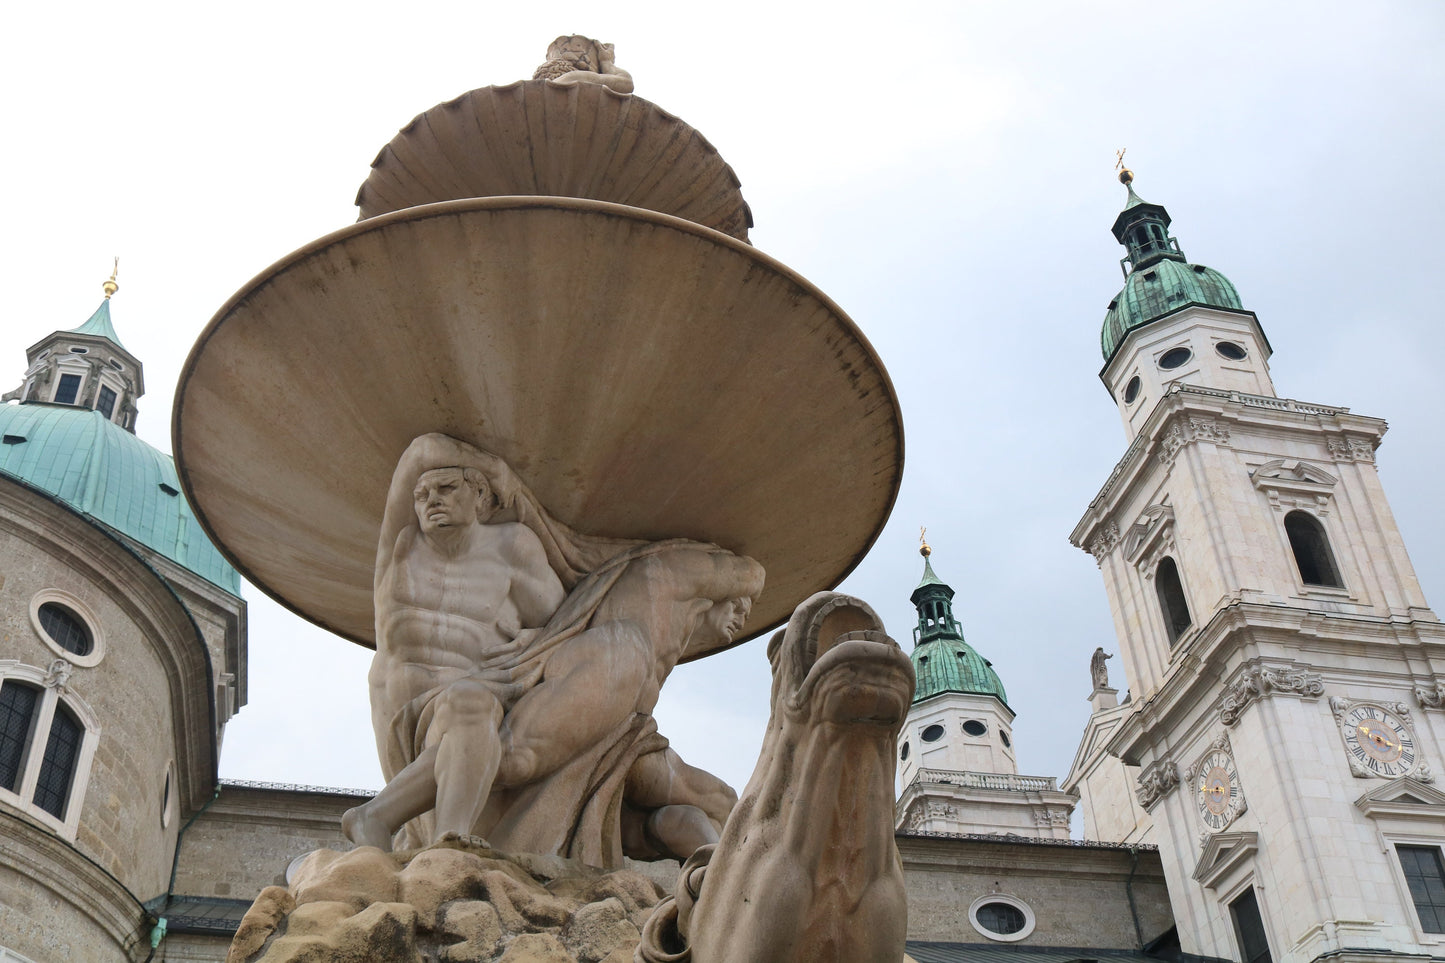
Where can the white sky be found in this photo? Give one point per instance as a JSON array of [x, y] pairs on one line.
[[943, 171]]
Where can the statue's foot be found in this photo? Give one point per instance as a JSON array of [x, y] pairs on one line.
[[464, 841], [364, 829]]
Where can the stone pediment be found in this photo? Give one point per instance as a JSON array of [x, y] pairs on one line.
[[1222, 854], [1290, 483], [1405, 798], [1150, 537]]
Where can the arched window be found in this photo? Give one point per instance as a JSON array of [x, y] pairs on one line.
[[1311, 548], [47, 739], [1171, 599], [17, 718]]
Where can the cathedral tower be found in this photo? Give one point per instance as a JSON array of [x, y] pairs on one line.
[[956, 753], [1286, 674]]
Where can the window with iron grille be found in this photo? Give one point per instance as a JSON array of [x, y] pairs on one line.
[[17, 717], [57, 769], [65, 628], [1425, 876]]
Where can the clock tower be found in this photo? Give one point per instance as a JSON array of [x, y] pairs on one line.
[[1287, 677]]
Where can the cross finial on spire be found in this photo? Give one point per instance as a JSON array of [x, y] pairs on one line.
[[1126, 176], [110, 287], [923, 548]]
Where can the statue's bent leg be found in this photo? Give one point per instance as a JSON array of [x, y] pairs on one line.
[[689, 804], [464, 733], [590, 686], [409, 794]]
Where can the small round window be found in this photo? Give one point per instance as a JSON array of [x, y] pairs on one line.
[[975, 728], [1230, 350], [1001, 917], [904, 753], [66, 628], [933, 733], [1175, 357], [1004, 736], [1131, 390]]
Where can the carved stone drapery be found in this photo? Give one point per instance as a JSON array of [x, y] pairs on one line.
[[1258, 681], [1157, 781], [1431, 697], [1186, 430]]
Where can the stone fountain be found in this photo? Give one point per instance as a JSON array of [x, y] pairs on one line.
[[540, 426]]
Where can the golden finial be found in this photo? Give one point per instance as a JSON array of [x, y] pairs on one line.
[[1126, 176], [923, 548], [110, 287]]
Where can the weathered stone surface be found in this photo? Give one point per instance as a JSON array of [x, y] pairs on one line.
[[460, 902]]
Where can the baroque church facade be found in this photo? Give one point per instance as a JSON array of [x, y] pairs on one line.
[[1266, 790]]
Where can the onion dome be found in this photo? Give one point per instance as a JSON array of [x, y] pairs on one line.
[[1159, 280], [942, 660]]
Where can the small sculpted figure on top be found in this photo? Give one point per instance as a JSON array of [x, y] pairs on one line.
[[581, 60], [518, 663], [807, 869], [1097, 668]]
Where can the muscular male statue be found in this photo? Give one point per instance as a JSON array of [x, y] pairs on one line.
[[577, 59], [501, 658]]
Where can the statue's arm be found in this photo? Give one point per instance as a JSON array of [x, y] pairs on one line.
[[400, 511], [610, 75], [719, 575]]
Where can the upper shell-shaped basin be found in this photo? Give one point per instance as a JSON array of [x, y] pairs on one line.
[[564, 140], [646, 377]]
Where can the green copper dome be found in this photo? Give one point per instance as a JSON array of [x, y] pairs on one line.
[[1159, 280], [108, 474], [98, 324], [1163, 288], [942, 660]]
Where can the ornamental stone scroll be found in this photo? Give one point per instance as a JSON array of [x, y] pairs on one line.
[[1257, 680], [1157, 781]]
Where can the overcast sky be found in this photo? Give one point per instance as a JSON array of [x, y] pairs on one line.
[[942, 171]]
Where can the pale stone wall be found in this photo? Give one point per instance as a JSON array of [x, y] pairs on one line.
[[244, 841], [1079, 894], [44, 546], [956, 749]]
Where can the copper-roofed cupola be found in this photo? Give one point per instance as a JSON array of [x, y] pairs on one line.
[[85, 367], [1173, 322], [943, 661]]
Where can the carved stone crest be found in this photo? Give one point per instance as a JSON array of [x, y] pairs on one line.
[[1185, 431], [1350, 449], [1431, 697], [1104, 541], [1257, 681]]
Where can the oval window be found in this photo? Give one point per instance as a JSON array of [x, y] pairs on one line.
[[1131, 390], [1004, 736], [975, 728], [1000, 918], [904, 753], [933, 733], [1230, 350], [65, 628], [1175, 357]]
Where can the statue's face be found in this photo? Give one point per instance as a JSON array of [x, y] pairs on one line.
[[443, 499], [722, 622], [576, 49]]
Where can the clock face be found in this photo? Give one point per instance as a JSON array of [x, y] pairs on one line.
[[1220, 798], [1379, 741]]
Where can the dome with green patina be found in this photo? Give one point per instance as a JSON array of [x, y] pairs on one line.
[[86, 461], [942, 660], [1159, 280]]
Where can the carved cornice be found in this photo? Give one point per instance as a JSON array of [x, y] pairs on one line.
[[1257, 680], [1157, 781], [1104, 541], [1187, 430], [1290, 483], [1222, 854], [1347, 448]]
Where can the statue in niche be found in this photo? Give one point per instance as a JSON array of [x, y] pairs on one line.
[[1098, 669], [581, 60], [518, 663]]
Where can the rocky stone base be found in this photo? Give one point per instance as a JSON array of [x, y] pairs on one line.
[[455, 901]]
